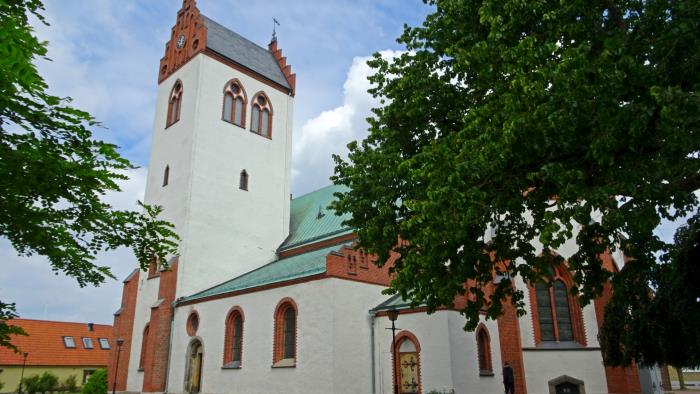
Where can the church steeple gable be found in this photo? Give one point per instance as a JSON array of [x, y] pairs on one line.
[[282, 62], [188, 38]]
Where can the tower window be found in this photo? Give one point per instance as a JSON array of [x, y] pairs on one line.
[[174, 104], [261, 123], [243, 181], [166, 175], [234, 103]]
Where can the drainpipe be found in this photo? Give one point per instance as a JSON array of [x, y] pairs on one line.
[[371, 330]]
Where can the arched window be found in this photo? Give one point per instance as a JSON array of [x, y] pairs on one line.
[[174, 104], [285, 342], [144, 345], [483, 342], [234, 103], [166, 175], [193, 372], [408, 363], [261, 123], [243, 180], [557, 314], [233, 339], [192, 323]]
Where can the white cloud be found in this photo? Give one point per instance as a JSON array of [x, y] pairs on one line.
[[333, 129]]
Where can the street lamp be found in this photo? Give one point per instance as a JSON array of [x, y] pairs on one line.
[[120, 342], [21, 376], [393, 314]]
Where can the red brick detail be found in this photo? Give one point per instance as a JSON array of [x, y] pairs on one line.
[[158, 343], [190, 25], [665, 378], [228, 334], [483, 345], [511, 347], [561, 273], [278, 340], [619, 380], [400, 337], [286, 68], [228, 90], [317, 245], [266, 106], [174, 109], [344, 264], [123, 328]]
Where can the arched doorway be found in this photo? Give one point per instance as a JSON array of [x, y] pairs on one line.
[[408, 364], [566, 385], [193, 373]]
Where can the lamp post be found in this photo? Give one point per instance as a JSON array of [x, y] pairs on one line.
[[120, 342], [21, 376], [393, 314]]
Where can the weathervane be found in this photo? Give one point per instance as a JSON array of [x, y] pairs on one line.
[[274, 25]]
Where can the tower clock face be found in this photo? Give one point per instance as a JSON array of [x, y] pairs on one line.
[[180, 41]]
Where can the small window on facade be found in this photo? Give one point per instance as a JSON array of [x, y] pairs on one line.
[[192, 324], [484, 351], [174, 104], [233, 339], [69, 342], [285, 335], [144, 345], [243, 180], [261, 123], [234, 103], [166, 175], [104, 343], [87, 343]]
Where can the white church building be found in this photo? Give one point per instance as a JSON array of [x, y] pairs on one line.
[[267, 294]]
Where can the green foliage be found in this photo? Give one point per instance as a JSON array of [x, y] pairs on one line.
[[2, 385], [7, 312], [53, 173], [527, 121], [70, 385], [661, 326], [97, 384], [47, 382]]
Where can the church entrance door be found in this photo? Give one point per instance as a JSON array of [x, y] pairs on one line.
[[193, 380]]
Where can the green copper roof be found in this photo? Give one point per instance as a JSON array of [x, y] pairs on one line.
[[394, 302], [294, 267], [311, 220]]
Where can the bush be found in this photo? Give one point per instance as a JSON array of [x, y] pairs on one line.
[[70, 384], [40, 384], [97, 384]]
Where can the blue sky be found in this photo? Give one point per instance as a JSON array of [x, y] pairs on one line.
[[105, 55]]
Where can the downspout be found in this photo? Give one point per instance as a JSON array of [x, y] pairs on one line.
[[371, 330]]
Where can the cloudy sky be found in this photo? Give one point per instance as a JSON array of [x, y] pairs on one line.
[[105, 55]]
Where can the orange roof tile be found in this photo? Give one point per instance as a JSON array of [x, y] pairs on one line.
[[45, 346]]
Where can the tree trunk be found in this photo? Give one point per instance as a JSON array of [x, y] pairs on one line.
[[681, 381]]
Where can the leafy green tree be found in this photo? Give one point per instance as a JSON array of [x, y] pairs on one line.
[[97, 384], [509, 127], [70, 385], [53, 172], [45, 383]]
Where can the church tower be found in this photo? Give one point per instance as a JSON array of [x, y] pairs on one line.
[[220, 166]]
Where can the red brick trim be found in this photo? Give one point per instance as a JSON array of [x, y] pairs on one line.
[[278, 339], [482, 334], [229, 334], [317, 245], [511, 347], [190, 25], [405, 335], [192, 323], [174, 104], [144, 345], [123, 329], [286, 68]]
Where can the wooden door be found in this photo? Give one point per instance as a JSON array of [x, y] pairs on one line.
[[408, 368]]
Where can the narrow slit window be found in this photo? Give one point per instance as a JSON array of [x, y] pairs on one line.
[[166, 175], [243, 181]]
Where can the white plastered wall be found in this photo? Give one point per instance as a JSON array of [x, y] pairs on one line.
[[541, 366], [333, 340]]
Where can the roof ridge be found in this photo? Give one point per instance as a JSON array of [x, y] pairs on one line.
[[58, 321], [330, 185]]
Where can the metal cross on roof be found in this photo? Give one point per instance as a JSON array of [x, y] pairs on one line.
[[274, 25]]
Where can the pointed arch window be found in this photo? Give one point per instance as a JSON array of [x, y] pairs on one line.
[[234, 103], [144, 345], [174, 104], [285, 340], [556, 313], [243, 180], [166, 175], [483, 342], [233, 339], [261, 122]]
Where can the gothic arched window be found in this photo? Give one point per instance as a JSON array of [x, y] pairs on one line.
[[557, 314], [285, 340], [233, 339], [261, 122], [174, 104], [483, 342], [234, 103], [144, 345]]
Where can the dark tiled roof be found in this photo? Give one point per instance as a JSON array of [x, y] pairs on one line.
[[243, 51], [45, 344]]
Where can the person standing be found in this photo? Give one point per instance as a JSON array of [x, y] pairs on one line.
[[508, 379]]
